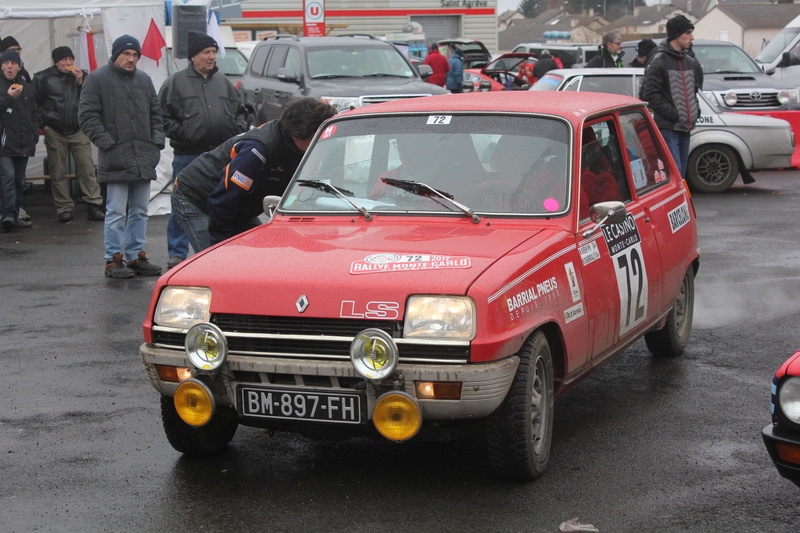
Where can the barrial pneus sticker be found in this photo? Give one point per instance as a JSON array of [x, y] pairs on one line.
[[625, 248]]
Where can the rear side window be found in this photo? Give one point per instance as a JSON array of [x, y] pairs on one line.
[[276, 61], [646, 161], [259, 61]]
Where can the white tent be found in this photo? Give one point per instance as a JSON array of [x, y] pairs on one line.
[[42, 25]]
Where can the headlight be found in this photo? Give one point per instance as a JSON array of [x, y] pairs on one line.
[[440, 317], [789, 399], [784, 97], [730, 99], [183, 307], [206, 346], [374, 354], [397, 416], [343, 103], [194, 402]]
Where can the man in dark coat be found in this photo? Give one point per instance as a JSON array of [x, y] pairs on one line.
[[439, 66], [220, 193], [455, 76], [545, 64], [644, 51], [19, 133], [119, 111], [201, 109], [57, 90], [611, 53], [9, 43], [671, 82]]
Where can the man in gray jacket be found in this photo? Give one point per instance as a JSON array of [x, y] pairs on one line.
[[201, 109], [119, 111]]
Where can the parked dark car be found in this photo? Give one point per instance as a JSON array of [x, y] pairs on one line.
[[473, 53], [346, 72]]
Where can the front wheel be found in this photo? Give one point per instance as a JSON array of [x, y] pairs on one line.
[[520, 432], [198, 441], [671, 340], [712, 168]]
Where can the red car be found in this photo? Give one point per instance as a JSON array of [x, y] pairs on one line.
[[511, 72], [480, 81], [782, 436], [437, 266]]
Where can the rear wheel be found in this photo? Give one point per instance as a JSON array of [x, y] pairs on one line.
[[671, 340], [205, 440], [520, 432], [712, 168]]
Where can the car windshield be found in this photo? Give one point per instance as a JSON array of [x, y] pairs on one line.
[[548, 82], [724, 60], [357, 62], [436, 163], [233, 63], [777, 45]]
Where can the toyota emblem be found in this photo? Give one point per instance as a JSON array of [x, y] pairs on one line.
[[755, 95]]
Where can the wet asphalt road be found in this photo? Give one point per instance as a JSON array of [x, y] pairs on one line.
[[643, 445]]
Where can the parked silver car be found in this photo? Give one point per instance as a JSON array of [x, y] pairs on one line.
[[723, 144]]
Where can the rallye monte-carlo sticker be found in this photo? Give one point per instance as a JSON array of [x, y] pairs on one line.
[[391, 262], [625, 248]]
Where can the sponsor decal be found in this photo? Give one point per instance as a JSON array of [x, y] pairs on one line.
[[241, 180], [705, 119], [625, 247], [259, 155], [621, 236], [389, 262], [589, 253], [328, 132], [439, 119], [373, 310], [679, 217], [572, 280], [576, 311], [530, 295]]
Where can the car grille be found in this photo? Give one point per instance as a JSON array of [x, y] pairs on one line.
[[377, 98], [314, 339], [751, 99]]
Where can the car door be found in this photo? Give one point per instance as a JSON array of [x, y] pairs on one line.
[[620, 262], [275, 92]]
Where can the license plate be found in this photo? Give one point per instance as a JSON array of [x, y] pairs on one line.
[[291, 404]]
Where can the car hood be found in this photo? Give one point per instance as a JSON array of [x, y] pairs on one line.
[[734, 82], [365, 86], [361, 262], [744, 120]]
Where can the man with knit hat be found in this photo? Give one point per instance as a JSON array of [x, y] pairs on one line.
[[119, 112], [644, 51], [671, 82], [201, 109], [57, 90], [9, 43]]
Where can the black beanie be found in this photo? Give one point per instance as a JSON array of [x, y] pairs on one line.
[[677, 26], [7, 43], [10, 55], [61, 52], [199, 41], [126, 42], [644, 47]]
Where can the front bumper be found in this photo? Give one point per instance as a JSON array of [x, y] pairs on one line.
[[784, 448], [484, 385]]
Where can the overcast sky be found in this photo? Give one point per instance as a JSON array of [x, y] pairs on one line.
[[506, 5]]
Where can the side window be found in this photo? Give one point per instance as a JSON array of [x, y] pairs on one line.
[[574, 84], [601, 162], [259, 60], [276, 61], [646, 161], [293, 61]]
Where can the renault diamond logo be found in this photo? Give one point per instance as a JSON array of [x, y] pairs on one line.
[[301, 303]]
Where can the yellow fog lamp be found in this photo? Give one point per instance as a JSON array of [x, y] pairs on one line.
[[206, 346], [397, 416], [194, 402], [374, 354]]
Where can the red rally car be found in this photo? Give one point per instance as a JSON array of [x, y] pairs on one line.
[[437, 266], [782, 436]]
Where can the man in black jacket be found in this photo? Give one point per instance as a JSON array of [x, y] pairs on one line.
[[119, 112], [57, 90], [671, 82], [220, 193], [611, 53], [19, 133], [201, 109]]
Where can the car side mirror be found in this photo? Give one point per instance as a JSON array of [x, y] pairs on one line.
[[288, 75], [270, 205], [603, 213], [425, 71]]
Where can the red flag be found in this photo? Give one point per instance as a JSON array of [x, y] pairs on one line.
[[153, 43]]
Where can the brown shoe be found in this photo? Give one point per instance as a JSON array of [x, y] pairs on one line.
[[116, 268], [143, 267]]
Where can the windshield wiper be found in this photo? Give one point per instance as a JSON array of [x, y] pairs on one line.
[[383, 75], [329, 76], [423, 189], [342, 193]]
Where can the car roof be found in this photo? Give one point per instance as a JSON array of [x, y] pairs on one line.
[[696, 42], [572, 72], [574, 106], [326, 42]]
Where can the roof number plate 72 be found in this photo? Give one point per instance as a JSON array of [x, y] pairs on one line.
[[439, 119]]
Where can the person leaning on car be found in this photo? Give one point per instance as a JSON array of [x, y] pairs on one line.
[[671, 82], [201, 109], [57, 90], [220, 193], [611, 53]]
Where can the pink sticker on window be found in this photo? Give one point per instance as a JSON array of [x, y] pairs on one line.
[[551, 205]]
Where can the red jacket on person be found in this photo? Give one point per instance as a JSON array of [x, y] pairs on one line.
[[440, 67]]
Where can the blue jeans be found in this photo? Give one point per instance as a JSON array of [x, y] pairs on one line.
[[126, 218], [12, 185], [678, 143], [177, 242], [192, 220]]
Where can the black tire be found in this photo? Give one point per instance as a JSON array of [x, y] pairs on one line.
[[206, 440], [712, 168], [672, 339], [520, 432]]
